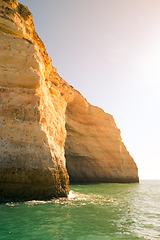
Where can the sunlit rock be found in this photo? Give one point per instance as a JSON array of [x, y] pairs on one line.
[[94, 149], [36, 108], [32, 112]]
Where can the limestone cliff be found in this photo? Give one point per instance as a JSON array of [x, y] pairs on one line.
[[94, 149], [33, 103], [32, 112]]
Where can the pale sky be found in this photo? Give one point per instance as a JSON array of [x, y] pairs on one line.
[[109, 50]]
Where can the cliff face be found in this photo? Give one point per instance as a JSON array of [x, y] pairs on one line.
[[94, 149], [33, 103]]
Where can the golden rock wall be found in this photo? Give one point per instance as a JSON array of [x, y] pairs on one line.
[[36, 108], [94, 149], [32, 112]]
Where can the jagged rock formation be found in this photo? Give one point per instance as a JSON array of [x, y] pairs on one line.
[[32, 112], [33, 102], [94, 149]]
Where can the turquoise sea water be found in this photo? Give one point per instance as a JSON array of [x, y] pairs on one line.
[[97, 211]]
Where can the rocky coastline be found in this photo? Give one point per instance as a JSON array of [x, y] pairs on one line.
[[49, 133]]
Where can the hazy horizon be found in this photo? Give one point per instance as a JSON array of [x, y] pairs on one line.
[[110, 52]]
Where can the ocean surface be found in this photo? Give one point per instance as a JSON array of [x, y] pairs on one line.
[[96, 211]]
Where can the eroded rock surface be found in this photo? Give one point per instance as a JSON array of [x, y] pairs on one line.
[[94, 149], [33, 101]]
